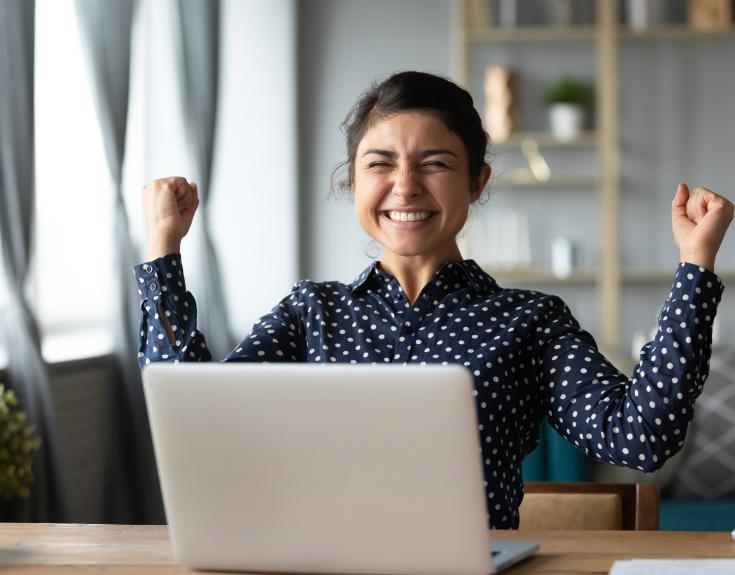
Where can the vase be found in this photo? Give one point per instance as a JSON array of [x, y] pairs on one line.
[[566, 121]]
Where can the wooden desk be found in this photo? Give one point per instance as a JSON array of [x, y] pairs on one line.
[[115, 549]]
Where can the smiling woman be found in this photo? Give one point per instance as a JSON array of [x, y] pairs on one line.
[[412, 194], [416, 162]]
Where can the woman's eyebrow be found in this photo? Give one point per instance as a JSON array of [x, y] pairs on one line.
[[436, 152], [423, 154], [387, 153]]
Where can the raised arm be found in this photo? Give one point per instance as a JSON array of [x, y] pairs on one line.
[[642, 420], [636, 421], [168, 325], [168, 312]]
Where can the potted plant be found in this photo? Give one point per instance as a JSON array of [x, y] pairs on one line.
[[568, 100], [18, 442]]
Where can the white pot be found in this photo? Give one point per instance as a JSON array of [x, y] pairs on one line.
[[566, 121], [644, 13]]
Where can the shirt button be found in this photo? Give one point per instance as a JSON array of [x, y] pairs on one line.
[[153, 287], [147, 268]]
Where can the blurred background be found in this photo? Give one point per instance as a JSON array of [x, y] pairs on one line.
[[246, 97]]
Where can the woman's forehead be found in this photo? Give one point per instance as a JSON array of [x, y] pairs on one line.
[[410, 131]]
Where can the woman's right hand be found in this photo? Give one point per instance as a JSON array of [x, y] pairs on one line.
[[169, 204]]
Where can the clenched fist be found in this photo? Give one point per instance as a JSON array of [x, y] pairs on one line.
[[169, 204], [699, 221]]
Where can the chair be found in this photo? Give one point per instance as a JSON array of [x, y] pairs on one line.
[[567, 506]]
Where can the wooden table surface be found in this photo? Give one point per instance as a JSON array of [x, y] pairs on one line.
[[68, 548]]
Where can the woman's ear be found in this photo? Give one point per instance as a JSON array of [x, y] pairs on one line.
[[480, 182]]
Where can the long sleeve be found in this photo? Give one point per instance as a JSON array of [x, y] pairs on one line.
[[277, 336], [163, 293], [640, 421]]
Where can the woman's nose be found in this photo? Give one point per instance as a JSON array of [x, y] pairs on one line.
[[406, 184]]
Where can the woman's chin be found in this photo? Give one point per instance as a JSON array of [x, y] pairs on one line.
[[406, 250]]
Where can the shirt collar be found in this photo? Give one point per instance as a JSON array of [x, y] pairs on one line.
[[472, 274]]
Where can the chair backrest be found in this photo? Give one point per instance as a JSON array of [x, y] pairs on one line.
[[555, 506]]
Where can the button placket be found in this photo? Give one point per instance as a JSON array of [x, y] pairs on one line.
[[411, 323]]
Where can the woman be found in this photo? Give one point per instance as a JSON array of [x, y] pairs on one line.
[[415, 162]]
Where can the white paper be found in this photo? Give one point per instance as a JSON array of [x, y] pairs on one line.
[[674, 567]]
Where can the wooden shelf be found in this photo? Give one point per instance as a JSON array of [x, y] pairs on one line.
[[541, 276], [546, 140], [482, 34], [533, 275], [647, 276], [489, 34], [555, 183], [675, 32]]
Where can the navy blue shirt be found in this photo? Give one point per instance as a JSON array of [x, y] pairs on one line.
[[528, 355]]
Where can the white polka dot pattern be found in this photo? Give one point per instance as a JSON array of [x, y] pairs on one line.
[[528, 355]]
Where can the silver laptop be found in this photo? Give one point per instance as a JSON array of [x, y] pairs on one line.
[[322, 469]]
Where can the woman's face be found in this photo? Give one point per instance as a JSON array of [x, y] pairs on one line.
[[412, 185]]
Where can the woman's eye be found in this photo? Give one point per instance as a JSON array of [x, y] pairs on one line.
[[377, 165], [435, 164]]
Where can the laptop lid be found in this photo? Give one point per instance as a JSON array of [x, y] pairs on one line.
[[321, 469]]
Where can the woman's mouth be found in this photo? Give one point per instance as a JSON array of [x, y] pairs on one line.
[[398, 216]]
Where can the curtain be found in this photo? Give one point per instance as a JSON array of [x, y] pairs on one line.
[[26, 371], [106, 29], [200, 26]]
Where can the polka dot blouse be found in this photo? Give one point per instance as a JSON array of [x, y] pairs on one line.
[[528, 355]]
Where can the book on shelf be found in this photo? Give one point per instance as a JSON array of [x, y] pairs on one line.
[[478, 13]]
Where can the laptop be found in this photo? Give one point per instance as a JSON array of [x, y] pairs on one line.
[[305, 468]]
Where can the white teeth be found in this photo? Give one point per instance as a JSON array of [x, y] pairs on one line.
[[408, 216]]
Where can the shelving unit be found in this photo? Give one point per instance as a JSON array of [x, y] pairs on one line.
[[556, 183], [532, 34], [546, 140], [542, 277], [605, 37]]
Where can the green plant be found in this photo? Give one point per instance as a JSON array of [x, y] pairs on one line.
[[568, 91], [17, 444]]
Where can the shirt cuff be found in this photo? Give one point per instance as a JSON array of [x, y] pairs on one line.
[[695, 290], [164, 275]]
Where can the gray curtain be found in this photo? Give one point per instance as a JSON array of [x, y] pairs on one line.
[[200, 26], [26, 370], [135, 496]]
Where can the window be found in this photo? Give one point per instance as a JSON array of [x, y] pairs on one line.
[[73, 265]]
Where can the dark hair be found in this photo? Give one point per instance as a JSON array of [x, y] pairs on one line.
[[417, 91]]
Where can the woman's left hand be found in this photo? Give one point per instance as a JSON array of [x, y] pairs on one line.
[[699, 220]]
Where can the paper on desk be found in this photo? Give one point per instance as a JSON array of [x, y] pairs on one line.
[[674, 567]]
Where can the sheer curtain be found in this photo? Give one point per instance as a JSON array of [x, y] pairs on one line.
[[26, 370], [106, 29], [200, 37]]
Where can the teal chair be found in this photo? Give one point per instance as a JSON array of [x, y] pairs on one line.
[[555, 459]]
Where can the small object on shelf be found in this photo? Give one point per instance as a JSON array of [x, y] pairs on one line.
[[536, 161], [500, 108], [562, 256], [561, 12], [478, 13], [567, 100], [506, 239], [710, 14], [642, 14], [507, 14]]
